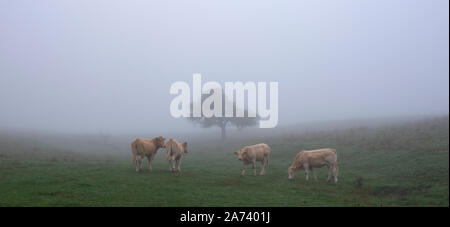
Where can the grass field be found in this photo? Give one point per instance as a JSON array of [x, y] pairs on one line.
[[404, 164]]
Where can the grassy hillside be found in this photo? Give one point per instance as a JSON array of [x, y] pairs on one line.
[[403, 164]]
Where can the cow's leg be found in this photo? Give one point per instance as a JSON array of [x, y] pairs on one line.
[[254, 168], [243, 168], [179, 165], [141, 160], [150, 159], [173, 165], [170, 164], [263, 167], [136, 162], [306, 167], [330, 172], [313, 173], [335, 173]]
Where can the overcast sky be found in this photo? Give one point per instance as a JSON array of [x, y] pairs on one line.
[[90, 66]]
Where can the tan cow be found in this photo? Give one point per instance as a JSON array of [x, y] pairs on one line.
[[253, 153], [145, 148], [174, 153], [308, 160]]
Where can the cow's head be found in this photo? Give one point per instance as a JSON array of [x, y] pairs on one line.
[[239, 154], [185, 147], [291, 173], [159, 141]]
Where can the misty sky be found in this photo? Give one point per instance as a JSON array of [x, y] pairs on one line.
[[90, 66]]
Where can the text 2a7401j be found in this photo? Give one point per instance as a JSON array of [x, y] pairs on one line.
[[247, 217]]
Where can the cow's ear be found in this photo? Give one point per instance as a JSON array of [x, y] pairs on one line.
[[235, 152], [185, 144]]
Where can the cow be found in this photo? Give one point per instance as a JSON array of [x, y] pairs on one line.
[[253, 153], [174, 154], [145, 148], [308, 160]]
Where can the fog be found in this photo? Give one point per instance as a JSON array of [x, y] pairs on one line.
[[107, 66]]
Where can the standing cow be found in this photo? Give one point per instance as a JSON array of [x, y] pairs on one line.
[[145, 148], [308, 160], [174, 153], [253, 153]]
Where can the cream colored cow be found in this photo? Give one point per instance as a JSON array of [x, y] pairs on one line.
[[308, 160], [253, 153], [174, 153], [145, 148]]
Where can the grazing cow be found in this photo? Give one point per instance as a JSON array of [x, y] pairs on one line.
[[308, 160], [253, 153], [147, 148], [174, 153]]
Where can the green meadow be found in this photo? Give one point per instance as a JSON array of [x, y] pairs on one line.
[[404, 164]]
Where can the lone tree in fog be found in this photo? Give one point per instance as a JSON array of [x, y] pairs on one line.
[[224, 122]]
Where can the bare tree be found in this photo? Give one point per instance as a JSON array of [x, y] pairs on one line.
[[224, 122]]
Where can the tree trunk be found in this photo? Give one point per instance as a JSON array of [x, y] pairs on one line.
[[223, 131]]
